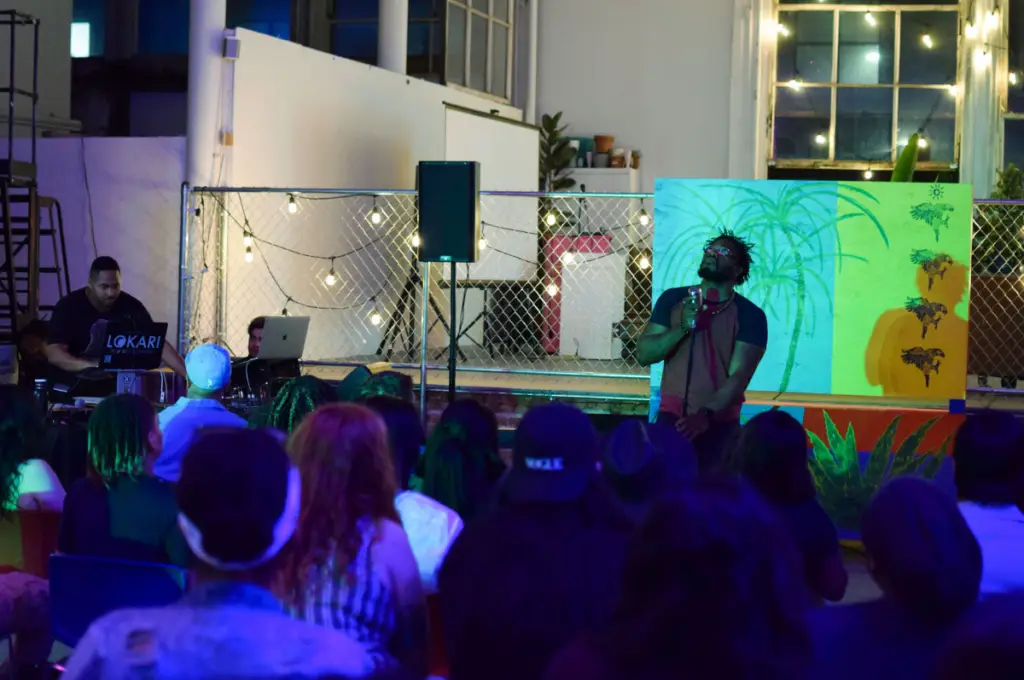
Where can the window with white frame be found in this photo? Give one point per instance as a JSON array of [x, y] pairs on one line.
[[478, 39], [81, 39], [1013, 113], [855, 80]]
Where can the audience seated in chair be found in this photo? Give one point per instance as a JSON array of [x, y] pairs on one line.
[[350, 566], [711, 590], [544, 567], [430, 526], [209, 373], [461, 466], [645, 461], [772, 454], [240, 501], [988, 459], [120, 511], [928, 565]]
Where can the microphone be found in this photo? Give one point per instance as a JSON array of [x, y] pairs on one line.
[[697, 296]]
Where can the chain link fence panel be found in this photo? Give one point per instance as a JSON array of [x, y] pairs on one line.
[[562, 284]]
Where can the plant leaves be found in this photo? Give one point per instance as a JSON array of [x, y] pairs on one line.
[[906, 457], [881, 452], [822, 454], [836, 442]]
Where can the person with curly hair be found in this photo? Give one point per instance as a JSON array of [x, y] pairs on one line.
[[711, 590], [461, 466], [711, 345], [296, 400], [120, 510], [350, 566]]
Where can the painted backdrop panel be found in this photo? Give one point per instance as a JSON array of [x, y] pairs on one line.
[[792, 225], [851, 275], [901, 311]]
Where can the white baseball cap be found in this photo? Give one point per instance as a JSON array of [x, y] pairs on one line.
[[208, 367]]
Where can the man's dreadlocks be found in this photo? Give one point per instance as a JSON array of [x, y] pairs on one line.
[[742, 252]]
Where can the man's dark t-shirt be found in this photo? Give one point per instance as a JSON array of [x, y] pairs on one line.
[[719, 329], [74, 317]]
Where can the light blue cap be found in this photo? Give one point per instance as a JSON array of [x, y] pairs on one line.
[[208, 367]]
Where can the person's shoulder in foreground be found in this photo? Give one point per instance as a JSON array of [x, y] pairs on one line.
[[196, 642]]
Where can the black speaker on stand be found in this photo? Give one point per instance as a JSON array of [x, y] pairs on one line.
[[448, 202]]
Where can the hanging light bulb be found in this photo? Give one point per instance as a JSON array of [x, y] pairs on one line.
[[970, 30], [375, 215], [248, 254], [992, 20], [820, 139], [922, 143], [644, 262], [794, 84], [982, 58], [551, 290], [782, 30], [482, 243], [284, 312], [293, 206], [331, 278], [926, 40], [568, 257], [375, 317], [246, 239], [550, 219], [1012, 77], [645, 219], [870, 18], [868, 174], [415, 241], [953, 90]]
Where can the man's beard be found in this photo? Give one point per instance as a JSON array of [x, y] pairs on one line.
[[714, 275]]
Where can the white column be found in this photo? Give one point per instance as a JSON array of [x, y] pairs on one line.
[[753, 44], [985, 71], [393, 35], [531, 64], [207, 23]]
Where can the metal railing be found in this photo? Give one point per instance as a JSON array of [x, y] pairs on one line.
[[562, 286]]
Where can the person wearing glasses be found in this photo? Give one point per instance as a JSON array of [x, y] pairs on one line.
[[711, 340]]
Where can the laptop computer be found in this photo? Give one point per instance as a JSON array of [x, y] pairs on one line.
[[130, 346], [284, 337]]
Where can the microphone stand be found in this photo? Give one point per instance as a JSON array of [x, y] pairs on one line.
[[689, 367]]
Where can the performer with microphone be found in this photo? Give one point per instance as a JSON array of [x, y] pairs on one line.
[[72, 326], [711, 339]]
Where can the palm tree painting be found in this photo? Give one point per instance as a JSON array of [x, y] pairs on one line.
[[795, 227]]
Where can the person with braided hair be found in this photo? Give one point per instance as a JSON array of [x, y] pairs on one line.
[[296, 400], [461, 466], [120, 510]]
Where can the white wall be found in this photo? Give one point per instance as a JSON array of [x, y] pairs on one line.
[[131, 205], [304, 118], [54, 111], [654, 73]]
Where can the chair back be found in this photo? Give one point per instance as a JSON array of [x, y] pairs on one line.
[[83, 589], [39, 532]]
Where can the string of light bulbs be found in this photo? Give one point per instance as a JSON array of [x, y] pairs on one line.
[[251, 241]]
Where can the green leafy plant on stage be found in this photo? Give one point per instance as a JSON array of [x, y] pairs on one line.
[[796, 232], [845, 486]]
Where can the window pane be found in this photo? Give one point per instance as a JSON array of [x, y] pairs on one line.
[[356, 41], [499, 60], [478, 53], [1013, 143], [801, 122], [421, 9], [482, 6], [866, 42], [500, 10], [1016, 40], [933, 114], [805, 54], [928, 48], [455, 63], [864, 124], [93, 13], [163, 26], [356, 9]]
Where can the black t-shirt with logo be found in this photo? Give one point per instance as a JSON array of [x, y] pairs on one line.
[[74, 317]]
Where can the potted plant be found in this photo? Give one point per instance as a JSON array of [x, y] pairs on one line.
[[635, 161]]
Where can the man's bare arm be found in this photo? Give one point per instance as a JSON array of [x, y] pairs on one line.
[[173, 360], [745, 358], [657, 342], [59, 356]]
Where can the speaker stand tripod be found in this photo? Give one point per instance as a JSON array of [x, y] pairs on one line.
[[403, 321]]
